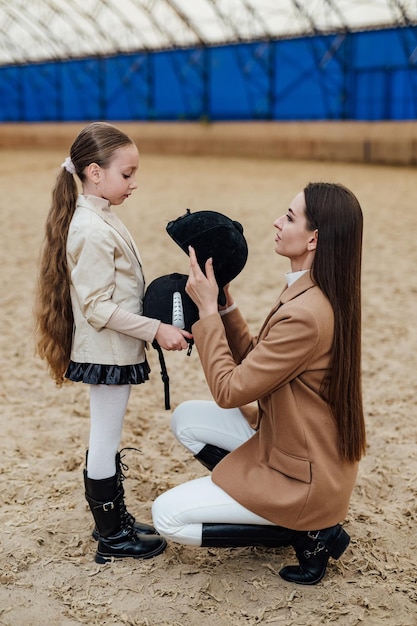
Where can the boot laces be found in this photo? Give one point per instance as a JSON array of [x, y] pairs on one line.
[[123, 467], [127, 518]]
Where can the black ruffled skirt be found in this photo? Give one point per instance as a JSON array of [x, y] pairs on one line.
[[94, 374]]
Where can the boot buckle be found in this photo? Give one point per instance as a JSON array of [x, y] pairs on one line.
[[108, 506], [313, 534], [320, 548]]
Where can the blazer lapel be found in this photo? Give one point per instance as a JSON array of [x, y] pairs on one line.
[[288, 293], [118, 225], [100, 206]]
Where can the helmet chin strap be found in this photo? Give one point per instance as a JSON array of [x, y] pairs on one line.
[[164, 371], [164, 374]]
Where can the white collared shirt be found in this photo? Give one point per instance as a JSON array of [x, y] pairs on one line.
[[291, 277]]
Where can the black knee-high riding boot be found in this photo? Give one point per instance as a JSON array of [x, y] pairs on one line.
[[210, 455], [244, 535], [117, 538], [313, 550], [139, 527]]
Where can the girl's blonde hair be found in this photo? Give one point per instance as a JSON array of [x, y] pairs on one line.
[[54, 321]]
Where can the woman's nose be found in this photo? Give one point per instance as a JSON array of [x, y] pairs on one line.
[[278, 222]]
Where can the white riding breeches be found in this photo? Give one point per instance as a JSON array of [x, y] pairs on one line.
[[198, 422], [180, 513]]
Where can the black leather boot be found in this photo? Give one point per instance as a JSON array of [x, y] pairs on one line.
[[139, 527], [117, 539], [313, 550], [244, 535], [210, 455]]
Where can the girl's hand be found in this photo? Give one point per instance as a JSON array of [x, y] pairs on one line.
[[202, 289], [172, 338]]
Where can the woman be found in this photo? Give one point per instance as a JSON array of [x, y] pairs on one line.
[[284, 470]]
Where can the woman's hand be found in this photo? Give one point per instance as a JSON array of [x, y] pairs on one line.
[[172, 338], [202, 289], [229, 298]]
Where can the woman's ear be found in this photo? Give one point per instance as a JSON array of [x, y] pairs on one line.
[[312, 242]]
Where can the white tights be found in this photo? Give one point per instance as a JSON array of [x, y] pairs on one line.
[[179, 513], [108, 405]]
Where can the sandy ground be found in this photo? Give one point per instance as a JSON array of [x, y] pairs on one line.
[[47, 570]]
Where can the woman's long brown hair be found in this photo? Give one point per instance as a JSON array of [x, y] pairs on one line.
[[335, 212], [53, 312]]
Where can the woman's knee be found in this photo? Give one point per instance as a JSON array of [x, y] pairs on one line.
[[160, 520], [184, 418], [166, 525]]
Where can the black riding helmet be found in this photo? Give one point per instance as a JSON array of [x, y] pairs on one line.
[[214, 235]]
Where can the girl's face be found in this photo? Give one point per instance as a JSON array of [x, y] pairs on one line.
[[116, 182], [293, 239]]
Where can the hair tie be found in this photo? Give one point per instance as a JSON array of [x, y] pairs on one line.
[[68, 165]]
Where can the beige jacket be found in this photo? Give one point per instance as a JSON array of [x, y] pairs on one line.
[[290, 471], [106, 273]]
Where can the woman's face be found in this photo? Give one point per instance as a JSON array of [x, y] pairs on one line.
[[293, 239]]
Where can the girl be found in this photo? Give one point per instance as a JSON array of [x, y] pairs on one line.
[[89, 322], [284, 470]]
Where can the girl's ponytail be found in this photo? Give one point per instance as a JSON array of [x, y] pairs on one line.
[[53, 312]]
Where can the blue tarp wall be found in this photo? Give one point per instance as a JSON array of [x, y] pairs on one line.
[[370, 75]]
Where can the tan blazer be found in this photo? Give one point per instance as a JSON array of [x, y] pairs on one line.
[[106, 273], [290, 471]]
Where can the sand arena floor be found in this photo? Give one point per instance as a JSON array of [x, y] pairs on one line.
[[47, 571]]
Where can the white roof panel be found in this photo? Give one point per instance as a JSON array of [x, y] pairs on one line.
[[47, 29]]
